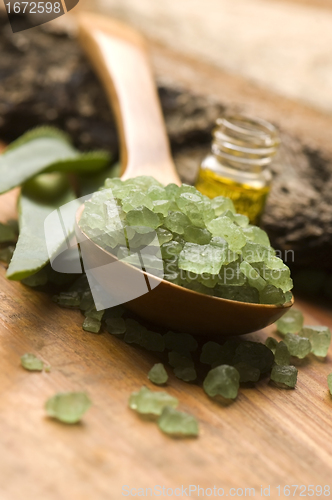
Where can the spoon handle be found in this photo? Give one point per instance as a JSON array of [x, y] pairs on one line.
[[119, 56]]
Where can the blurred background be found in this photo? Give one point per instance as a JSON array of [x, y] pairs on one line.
[[284, 46]]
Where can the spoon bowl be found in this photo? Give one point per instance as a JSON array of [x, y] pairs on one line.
[[119, 56], [170, 305]]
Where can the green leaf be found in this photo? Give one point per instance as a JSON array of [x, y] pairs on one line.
[[45, 188], [31, 253], [45, 149], [36, 133], [90, 162]]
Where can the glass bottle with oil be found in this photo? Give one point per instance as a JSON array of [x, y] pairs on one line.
[[238, 165]]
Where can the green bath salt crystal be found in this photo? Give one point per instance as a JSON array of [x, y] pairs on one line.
[[220, 205], [211, 352], [282, 354], [183, 365], [91, 325], [164, 236], [227, 257], [172, 191], [223, 380], [176, 359], [240, 220], [254, 354], [208, 280], [157, 193], [158, 374], [257, 235], [67, 299], [253, 277], [68, 407], [272, 295], [247, 373], [253, 252], [231, 274], [161, 207], [297, 346], [180, 342], [215, 354], [134, 331], [171, 249], [86, 301], [152, 341], [320, 339], [116, 326], [272, 344], [138, 200], [185, 373], [280, 278], [94, 314], [224, 227], [291, 322], [177, 423], [31, 362], [284, 375], [198, 235], [329, 382], [240, 293], [195, 208], [150, 402], [201, 258], [218, 241], [142, 216], [176, 222]]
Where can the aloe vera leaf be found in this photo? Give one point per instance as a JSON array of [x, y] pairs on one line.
[[46, 187], [35, 133], [89, 162], [45, 149], [31, 253]]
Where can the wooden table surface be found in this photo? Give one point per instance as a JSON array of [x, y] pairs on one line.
[[268, 436]]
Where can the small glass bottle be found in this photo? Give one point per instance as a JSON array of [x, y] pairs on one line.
[[238, 165]]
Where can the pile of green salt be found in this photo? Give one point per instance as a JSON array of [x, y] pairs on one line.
[[201, 244]]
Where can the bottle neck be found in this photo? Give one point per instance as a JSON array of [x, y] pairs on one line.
[[244, 144]]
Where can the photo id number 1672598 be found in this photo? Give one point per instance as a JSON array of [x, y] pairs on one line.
[[33, 7]]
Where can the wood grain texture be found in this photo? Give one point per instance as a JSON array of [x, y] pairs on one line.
[[268, 436]]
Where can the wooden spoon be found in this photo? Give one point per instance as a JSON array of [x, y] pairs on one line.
[[119, 56]]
